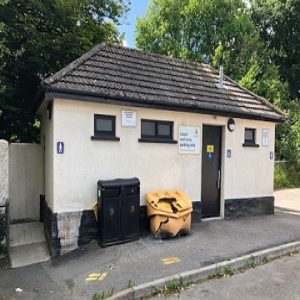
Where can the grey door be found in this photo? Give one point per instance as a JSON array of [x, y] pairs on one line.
[[211, 171]]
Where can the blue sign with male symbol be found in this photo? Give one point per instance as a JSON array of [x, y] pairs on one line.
[[60, 147]]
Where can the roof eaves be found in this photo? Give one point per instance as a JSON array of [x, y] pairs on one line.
[[69, 93], [283, 115], [262, 99]]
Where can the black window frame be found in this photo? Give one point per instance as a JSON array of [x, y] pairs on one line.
[[156, 138], [250, 142], [105, 135]]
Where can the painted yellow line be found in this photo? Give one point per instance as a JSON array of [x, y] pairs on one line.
[[95, 276], [88, 279], [170, 260], [102, 276]]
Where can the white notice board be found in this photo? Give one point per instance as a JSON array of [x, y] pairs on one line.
[[265, 137], [189, 140], [128, 118]]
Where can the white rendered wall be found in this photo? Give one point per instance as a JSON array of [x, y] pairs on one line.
[[248, 173], [48, 153]]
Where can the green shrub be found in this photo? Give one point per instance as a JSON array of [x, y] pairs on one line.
[[103, 295], [286, 175]]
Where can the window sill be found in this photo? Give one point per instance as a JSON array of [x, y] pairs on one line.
[[105, 138], [250, 145], [161, 141]]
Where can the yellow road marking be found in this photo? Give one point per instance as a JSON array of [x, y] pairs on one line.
[[95, 276], [170, 260], [102, 276]]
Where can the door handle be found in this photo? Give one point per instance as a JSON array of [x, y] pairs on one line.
[[219, 179]]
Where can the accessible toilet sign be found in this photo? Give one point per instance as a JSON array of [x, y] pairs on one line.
[[189, 140]]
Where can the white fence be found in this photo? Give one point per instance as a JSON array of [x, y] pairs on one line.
[[26, 180], [3, 172]]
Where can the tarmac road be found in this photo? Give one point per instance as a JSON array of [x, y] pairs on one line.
[[116, 267], [279, 279]]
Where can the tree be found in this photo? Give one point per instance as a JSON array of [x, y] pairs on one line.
[[278, 22], [200, 30], [41, 38], [226, 32], [2, 51]]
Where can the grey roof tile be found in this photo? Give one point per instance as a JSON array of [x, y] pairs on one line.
[[113, 71]]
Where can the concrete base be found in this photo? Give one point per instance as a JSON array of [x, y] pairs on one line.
[[88, 229], [197, 212], [68, 230], [50, 229], [4, 229], [235, 208]]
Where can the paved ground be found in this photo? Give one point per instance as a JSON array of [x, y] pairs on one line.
[[288, 200], [140, 261], [276, 280], [28, 244], [117, 267]]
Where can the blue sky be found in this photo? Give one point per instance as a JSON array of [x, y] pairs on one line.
[[137, 8]]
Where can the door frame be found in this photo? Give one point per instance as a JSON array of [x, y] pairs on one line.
[[222, 166]]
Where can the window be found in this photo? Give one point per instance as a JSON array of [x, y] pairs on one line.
[[157, 131], [104, 128], [250, 137]]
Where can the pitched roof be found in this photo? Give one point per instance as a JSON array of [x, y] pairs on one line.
[[112, 72]]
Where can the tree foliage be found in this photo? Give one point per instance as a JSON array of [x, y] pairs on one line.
[[278, 22], [258, 46], [195, 29], [38, 38]]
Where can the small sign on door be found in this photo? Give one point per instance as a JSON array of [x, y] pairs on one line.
[[210, 149]]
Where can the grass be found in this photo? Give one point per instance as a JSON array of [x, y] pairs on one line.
[[221, 272], [251, 263], [103, 295], [171, 287], [130, 284], [286, 175]]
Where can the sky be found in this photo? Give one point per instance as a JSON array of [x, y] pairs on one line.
[[137, 8]]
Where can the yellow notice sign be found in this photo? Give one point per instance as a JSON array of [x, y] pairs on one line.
[[210, 149]]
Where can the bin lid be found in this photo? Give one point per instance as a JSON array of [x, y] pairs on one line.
[[118, 182], [169, 201]]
